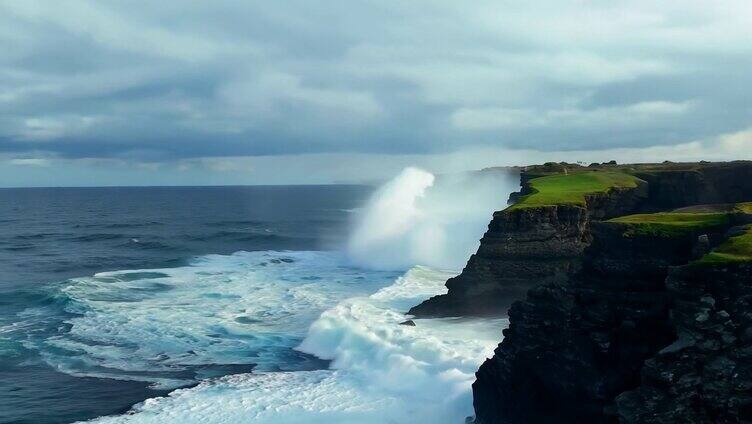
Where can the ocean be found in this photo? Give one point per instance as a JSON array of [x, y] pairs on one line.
[[234, 304]]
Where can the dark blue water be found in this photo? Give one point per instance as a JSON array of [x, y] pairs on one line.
[[51, 235]]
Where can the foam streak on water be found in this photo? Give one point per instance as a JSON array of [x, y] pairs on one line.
[[381, 372], [219, 315]]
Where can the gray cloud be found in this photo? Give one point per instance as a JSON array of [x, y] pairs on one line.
[[160, 81]]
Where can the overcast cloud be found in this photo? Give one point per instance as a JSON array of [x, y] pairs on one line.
[[180, 91]]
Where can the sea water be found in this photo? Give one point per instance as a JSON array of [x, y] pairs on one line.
[[236, 304]]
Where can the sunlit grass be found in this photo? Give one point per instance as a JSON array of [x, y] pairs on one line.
[[571, 189], [734, 250], [667, 224]]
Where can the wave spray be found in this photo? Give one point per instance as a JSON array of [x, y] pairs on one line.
[[417, 218]]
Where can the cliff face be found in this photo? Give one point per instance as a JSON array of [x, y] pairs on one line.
[[641, 331], [706, 374], [572, 348], [710, 183], [523, 248]]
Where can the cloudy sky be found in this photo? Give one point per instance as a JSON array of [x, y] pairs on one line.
[[243, 92]]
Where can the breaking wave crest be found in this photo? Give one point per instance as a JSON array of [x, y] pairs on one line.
[[380, 371]]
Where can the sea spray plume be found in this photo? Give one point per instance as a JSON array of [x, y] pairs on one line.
[[392, 211], [417, 218]]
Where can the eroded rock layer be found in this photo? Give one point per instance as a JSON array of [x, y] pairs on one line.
[[572, 348], [521, 248], [525, 247], [705, 376]]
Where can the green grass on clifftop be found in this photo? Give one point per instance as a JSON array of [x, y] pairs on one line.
[[571, 189], [734, 250], [667, 224]]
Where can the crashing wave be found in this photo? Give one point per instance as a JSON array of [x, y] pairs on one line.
[[381, 372]]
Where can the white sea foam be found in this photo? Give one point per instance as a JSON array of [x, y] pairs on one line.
[[381, 372], [170, 326], [417, 218]]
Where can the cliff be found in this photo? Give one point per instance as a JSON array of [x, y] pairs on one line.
[[572, 348], [676, 185], [533, 242], [705, 375], [651, 325], [521, 248], [541, 237]]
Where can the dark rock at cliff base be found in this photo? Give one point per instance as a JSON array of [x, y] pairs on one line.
[[705, 375], [409, 323]]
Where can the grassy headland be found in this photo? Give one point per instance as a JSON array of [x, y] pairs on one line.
[[684, 220], [571, 189], [668, 224], [736, 249]]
